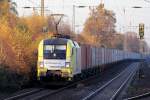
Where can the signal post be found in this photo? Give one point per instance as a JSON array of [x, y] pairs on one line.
[[141, 35]]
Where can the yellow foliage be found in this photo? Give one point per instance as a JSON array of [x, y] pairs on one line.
[[87, 38], [99, 26], [35, 23], [5, 30], [19, 38], [4, 8]]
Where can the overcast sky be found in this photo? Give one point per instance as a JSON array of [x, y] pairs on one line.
[[125, 14]]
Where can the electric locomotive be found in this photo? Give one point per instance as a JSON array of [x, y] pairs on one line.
[[58, 58]]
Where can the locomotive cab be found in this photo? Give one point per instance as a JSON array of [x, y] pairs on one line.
[[57, 58]]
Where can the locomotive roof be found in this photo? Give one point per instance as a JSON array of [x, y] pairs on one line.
[[56, 41]]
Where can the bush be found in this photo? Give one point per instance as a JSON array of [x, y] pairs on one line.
[[11, 81]]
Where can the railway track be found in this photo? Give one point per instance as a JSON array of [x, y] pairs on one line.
[[83, 88], [111, 89], [37, 94], [144, 96], [24, 94]]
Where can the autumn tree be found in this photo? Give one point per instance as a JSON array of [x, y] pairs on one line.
[[132, 42], [20, 36], [7, 9], [101, 24], [5, 32], [116, 41], [19, 40]]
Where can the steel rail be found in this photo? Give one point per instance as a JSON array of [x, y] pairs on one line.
[[62, 89], [92, 94], [122, 86], [24, 94], [30, 93], [138, 96]]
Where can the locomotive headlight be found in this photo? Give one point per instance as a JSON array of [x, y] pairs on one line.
[[41, 64], [67, 64]]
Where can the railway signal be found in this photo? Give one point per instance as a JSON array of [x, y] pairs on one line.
[[141, 30]]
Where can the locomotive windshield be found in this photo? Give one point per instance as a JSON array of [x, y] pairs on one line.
[[54, 51]]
